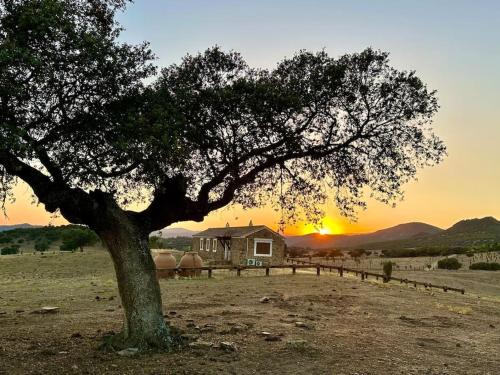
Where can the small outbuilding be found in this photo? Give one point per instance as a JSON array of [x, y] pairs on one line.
[[254, 245]]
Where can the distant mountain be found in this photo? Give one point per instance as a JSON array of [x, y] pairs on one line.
[[174, 232], [398, 232], [465, 233], [4, 228]]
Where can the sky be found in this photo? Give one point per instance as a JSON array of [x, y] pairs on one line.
[[453, 45]]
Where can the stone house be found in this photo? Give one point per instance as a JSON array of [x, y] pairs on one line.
[[251, 245]]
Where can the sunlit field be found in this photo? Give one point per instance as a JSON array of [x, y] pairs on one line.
[[316, 324]]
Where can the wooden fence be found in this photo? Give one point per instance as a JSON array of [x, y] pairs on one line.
[[364, 275], [303, 264]]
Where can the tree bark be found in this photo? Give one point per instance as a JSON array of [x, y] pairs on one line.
[[144, 326]]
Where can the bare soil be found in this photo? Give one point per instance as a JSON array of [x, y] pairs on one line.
[[345, 326]]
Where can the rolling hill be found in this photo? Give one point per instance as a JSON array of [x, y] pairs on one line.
[[398, 232], [465, 233], [174, 232], [4, 228]]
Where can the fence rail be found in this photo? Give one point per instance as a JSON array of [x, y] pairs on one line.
[[364, 275], [303, 264]]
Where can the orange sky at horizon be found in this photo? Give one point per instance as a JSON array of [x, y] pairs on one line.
[[452, 46]]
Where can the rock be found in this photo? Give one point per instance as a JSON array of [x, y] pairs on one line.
[[97, 298], [111, 298], [129, 352], [47, 310], [109, 310], [190, 325], [492, 326], [228, 346], [265, 333], [76, 335], [264, 300], [19, 311], [304, 325], [238, 328], [200, 344]]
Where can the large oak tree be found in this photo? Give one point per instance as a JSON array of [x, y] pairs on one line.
[[90, 124]]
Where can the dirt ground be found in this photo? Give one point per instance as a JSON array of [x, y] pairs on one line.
[[345, 326]]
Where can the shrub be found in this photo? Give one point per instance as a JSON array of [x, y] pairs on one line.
[[485, 266], [9, 250], [42, 245], [449, 264], [387, 267]]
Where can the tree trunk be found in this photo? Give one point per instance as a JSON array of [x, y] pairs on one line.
[[144, 326]]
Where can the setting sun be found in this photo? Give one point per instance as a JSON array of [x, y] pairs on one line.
[[327, 226]]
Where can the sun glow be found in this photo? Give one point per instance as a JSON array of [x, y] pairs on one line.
[[326, 226]]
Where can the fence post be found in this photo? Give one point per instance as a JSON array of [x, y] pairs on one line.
[[341, 271], [209, 273], [238, 271], [267, 271], [318, 270], [294, 270]]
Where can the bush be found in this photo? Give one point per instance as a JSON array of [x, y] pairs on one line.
[[387, 267], [9, 250], [485, 266], [77, 238], [42, 245], [449, 264]]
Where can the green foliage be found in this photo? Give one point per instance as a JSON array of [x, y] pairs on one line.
[[78, 238], [155, 242], [70, 235], [357, 253], [10, 250], [423, 252], [449, 264], [177, 243], [42, 245], [387, 269], [485, 266]]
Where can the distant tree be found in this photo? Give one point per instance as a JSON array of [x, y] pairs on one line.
[[155, 242], [9, 250], [78, 239], [485, 266], [387, 268], [449, 264], [42, 245], [79, 124]]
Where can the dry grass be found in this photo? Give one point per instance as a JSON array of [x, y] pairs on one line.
[[350, 326]]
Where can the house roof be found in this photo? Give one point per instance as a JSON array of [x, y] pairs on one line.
[[232, 231]]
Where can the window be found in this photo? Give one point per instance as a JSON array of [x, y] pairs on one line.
[[208, 244], [201, 243], [263, 247], [214, 245]]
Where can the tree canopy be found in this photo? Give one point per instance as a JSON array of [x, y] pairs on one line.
[[79, 123]]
